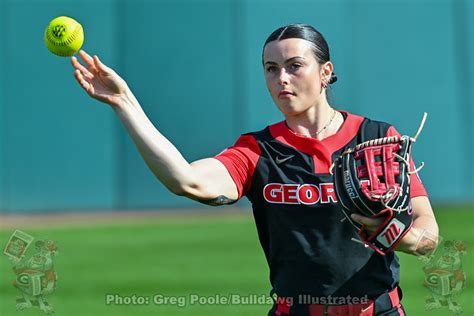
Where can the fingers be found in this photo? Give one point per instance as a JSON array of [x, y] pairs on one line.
[[87, 59], [99, 65], [78, 66], [94, 64], [80, 79], [84, 83], [367, 221]]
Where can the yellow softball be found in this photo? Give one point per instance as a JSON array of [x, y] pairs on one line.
[[64, 36]]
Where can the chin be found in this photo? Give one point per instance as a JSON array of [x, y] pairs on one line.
[[290, 109]]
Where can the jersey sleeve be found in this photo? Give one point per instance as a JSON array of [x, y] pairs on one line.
[[241, 160], [416, 186]]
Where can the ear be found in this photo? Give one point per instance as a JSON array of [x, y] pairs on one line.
[[326, 71]]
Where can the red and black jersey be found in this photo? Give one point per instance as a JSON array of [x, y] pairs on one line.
[[307, 242]]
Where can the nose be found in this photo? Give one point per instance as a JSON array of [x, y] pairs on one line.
[[283, 77]]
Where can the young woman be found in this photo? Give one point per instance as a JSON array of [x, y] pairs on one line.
[[316, 268]]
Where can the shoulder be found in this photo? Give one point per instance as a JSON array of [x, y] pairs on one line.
[[376, 127], [370, 128]]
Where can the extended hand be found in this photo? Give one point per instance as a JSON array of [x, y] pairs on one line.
[[98, 80]]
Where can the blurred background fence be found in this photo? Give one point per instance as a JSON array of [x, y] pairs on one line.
[[195, 66]]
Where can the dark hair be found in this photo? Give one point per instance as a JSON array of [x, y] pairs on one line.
[[309, 33]]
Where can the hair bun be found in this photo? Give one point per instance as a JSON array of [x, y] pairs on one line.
[[333, 78]]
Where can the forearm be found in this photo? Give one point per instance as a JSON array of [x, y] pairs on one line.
[[161, 156], [422, 238]]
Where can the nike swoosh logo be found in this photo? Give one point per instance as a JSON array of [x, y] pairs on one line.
[[282, 160]]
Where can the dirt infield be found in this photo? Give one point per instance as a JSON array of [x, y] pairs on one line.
[[101, 217]]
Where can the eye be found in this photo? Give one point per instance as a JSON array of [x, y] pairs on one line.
[[271, 69], [295, 66]]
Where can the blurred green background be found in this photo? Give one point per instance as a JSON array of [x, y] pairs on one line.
[[195, 66], [179, 257]]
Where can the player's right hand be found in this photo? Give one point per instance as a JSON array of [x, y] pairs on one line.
[[98, 80]]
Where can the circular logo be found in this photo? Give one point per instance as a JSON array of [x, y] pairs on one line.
[[58, 31], [23, 279]]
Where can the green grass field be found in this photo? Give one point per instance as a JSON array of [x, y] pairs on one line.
[[209, 257]]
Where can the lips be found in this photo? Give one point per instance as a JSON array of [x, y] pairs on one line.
[[285, 93]]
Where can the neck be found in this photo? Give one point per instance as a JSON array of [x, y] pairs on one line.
[[313, 120]]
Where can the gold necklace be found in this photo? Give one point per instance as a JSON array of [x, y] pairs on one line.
[[322, 129]]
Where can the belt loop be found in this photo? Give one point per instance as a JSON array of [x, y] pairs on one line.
[[387, 300], [394, 297]]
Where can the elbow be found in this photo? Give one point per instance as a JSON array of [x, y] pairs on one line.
[[426, 243], [426, 248], [183, 190], [197, 194], [177, 191]]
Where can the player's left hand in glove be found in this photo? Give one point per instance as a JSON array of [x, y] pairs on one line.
[[372, 181]]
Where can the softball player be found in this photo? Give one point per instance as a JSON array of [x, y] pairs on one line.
[[316, 265]]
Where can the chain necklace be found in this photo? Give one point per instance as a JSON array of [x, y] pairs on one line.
[[321, 130]]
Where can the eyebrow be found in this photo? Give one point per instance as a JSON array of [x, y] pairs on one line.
[[286, 61]]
